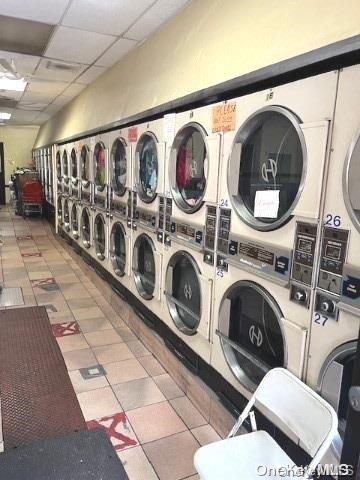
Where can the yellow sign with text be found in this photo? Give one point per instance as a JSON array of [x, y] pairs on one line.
[[223, 118]]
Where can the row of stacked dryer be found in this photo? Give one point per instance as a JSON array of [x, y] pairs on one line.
[[243, 242]]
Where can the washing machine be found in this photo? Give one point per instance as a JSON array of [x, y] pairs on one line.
[[336, 319], [148, 147], [86, 225], [59, 211], [59, 175], [120, 198], [191, 183], [86, 171], [66, 211], [268, 242], [65, 170], [75, 212], [75, 172]]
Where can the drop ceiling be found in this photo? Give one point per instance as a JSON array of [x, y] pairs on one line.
[[61, 46]]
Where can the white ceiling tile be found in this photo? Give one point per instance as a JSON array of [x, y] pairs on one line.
[[10, 94], [158, 14], [90, 75], [62, 74], [43, 117], [74, 45], [107, 16], [62, 100], [120, 48], [48, 11], [46, 87], [52, 108], [74, 89], [24, 64], [36, 97], [23, 115]]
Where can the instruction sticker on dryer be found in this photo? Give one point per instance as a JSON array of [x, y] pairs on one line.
[[223, 117], [266, 204]]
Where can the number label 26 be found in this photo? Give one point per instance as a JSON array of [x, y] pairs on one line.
[[332, 220]]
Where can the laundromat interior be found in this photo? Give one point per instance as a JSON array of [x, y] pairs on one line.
[[179, 239]]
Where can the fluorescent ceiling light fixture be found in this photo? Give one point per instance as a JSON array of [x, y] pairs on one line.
[[12, 85], [5, 116]]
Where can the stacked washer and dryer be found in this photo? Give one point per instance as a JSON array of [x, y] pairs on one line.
[[86, 197]]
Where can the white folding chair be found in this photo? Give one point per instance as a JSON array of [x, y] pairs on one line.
[[304, 417]]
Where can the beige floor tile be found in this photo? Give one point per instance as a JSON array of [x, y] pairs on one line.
[[155, 421], [103, 337], [168, 386], [136, 465], [94, 324], [138, 393], [125, 371], [77, 359], [39, 275], [172, 457], [205, 434], [84, 313], [151, 365], [138, 348], [193, 477], [98, 403], [80, 385], [112, 353], [81, 302], [188, 413], [126, 334], [72, 342]]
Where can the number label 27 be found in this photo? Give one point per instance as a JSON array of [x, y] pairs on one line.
[[320, 319]]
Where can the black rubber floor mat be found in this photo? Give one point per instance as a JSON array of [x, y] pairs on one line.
[[37, 398], [85, 455]]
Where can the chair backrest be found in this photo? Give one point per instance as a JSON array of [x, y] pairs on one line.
[[293, 406]]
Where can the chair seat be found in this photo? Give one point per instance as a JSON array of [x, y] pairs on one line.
[[243, 457]]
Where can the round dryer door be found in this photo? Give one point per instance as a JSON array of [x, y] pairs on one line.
[[59, 210], [250, 332], [183, 292], [66, 215], [144, 266], [85, 165], [267, 168], [99, 237], [334, 384], [352, 182], [74, 222], [118, 249], [74, 167], [119, 167], [191, 156], [65, 166], [85, 228], [147, 167], [58, 165], [99, 165]]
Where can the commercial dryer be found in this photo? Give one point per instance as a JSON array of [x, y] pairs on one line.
[[120, 195], [75, 172], [59, 175], [86, 172], [336, 319], [65, 170], [268, 232], [86, 228]]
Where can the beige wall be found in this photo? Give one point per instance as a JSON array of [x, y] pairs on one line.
[[209, 42], [18, 143]]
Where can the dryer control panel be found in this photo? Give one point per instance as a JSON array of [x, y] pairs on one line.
[[332, 259], [263, 259], [303, 265]]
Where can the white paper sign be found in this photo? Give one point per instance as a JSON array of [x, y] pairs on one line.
[[169, 127], [266, 203]]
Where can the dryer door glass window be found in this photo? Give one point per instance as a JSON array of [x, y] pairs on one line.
[[353, 184], [65, 166], [252, 338], [119, 167], [99, 165], [66, 215], [85, 165], [74, 167], [118, 249], [146, 154], [74, 222], [59, 209], [145, 267], [85, 228], [99, 237], [190, 169], [184, 292], [270, 166], [58, 165]]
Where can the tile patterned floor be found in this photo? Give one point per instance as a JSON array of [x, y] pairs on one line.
[[120, 386]]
